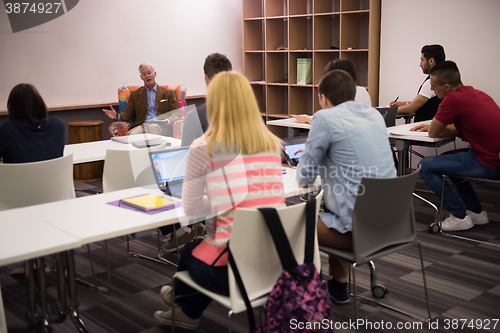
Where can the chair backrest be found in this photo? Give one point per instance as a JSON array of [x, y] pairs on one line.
[[179, 92], [383, 215], [27, 184], [389, 115], [255, 254], [128, 168]]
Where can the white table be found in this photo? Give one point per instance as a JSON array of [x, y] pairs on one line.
[[288, 122], [24, 237], [96, 150], [39, 230], [403, 141]]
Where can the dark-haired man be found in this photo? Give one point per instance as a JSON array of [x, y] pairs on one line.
[[426, 103], [195, 122], [474, 116], [347, 141]]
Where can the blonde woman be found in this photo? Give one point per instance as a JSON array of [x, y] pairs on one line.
[[239, 165]]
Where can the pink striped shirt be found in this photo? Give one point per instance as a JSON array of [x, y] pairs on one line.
[[216, 184]]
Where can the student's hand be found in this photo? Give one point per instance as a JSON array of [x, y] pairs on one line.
[[420, 128], [303, 118], [110, 113], [393, 104]]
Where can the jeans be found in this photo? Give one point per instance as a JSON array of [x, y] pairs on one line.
[[460, 162], [213, 278]]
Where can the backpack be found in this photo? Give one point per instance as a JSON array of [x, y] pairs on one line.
[[299, 301]]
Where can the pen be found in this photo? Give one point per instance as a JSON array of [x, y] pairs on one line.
[[396, 99]]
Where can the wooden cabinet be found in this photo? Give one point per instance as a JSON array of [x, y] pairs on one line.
[[278, 32]]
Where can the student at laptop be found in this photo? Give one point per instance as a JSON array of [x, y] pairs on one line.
[[361, 96], [239, 149], [347, 141]]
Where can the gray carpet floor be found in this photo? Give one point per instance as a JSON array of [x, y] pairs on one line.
[[463, 279]]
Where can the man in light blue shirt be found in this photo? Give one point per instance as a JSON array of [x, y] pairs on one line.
[[347, 141]]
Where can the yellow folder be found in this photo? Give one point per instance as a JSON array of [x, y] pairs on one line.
[[148, 202]]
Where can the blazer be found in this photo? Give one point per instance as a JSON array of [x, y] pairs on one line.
[[137, 106]]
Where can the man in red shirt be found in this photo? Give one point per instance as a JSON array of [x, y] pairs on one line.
[[475, 117]]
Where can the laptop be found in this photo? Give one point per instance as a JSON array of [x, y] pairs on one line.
[[169, 168], [291, 150]]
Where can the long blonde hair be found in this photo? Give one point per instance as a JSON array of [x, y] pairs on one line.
[[234, 116]]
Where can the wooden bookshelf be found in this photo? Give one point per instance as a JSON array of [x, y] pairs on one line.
[[278, 32]]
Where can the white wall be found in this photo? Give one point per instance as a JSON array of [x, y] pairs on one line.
[[468, 30], [83, 56]]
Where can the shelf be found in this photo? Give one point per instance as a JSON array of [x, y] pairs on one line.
[[300, 33], [260, 95], [320, 60], [354, 28], [301, 100], [276, 34], [354, 5], [252, 8], [300, 7], [360, 61], [326, 32], [306, 29], [277, 66], [277, 100], [253, 35], [276, 8], [254, 66], [326, 6]]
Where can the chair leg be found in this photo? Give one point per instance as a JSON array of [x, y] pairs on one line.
[[229, 314], [355, 294], [425, 280]]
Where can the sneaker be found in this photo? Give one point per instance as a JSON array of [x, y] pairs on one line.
[[171, 245], [181, 319], [478, 219], [452, 223], [339, 296], [166, 295], [197, 231]]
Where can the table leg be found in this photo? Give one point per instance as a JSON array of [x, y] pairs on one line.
[[43, 319], [402, 147], [73, 303], [3, 323]]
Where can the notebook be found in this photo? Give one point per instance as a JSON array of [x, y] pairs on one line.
[[292, 150], [148, 202], [169, 167]]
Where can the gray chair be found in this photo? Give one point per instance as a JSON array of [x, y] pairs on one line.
[[383, 222], [389, 115]]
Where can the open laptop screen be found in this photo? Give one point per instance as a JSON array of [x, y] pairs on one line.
[[291, 150], [169, 165]]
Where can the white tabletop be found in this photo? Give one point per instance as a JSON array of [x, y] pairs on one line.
[[24, 236], [402, 132], [96, 150], [289, 122]]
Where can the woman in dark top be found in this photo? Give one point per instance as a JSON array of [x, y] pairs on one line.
[[29, 136]]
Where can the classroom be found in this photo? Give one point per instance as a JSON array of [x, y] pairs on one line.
[[81, 60]]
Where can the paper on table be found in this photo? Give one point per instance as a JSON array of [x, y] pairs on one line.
[[407, 132]]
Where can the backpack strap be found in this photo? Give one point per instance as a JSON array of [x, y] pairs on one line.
[[310, 230], [280, 239], [243, 291]]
